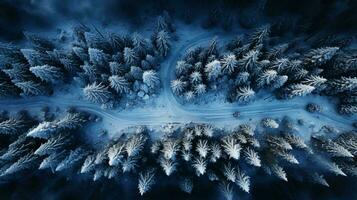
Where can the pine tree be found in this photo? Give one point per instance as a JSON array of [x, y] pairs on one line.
[[116, 68], [249, 62], [213, 69], [11, 126], [140, 44], [81, 53], [195, 77], [162, 42], [280, 64], [318, 57], [245, 94], [315, 81], [150, 78], [170, 148], [252, 157], [146, 181], [97, 93], [129, 164], [231, 147], [242, 78], [97, 57], [200, 89], [53, 145], [135, 144], [178, 86], [71, 121], [43, 130], [299, 90], [344, 84], [47, 73], [202, 148], [74, 157], [229, 63], [24, 162], [130, 56], [52, 161], [227, 191], [229, 172], [31, 88], [279, 81], [119, 84], [216, 152], [88, 164], [259, 36], [279, 172], [243, 181], [267, 78], [169, 166], [200, 165], [116, 154], [182, 67], [35, 58]]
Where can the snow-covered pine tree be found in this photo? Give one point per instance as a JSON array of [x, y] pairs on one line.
[[279, 81], [315, 81], [168, 166], [47, 73], [249, 62], [146, 181], [97, 57], [162, 42], [231, 147], [97, 93], [178, 86], [30, 88], [229, 172], [88, 164], [243, 181], [200, 89], [318, 57], [81, 53], [195, 77], [252, 157], [150, 78], [259, 36], [74, 157], [276, 51], [213, 70], [24, 162], [11, 126], [299, 90], [130, 56], [116, 154], [200, 165], [266, 78], [182, 67], [344, 84], [53, 145], [229, 63], [245, 94], [280, 64], [35, 58], [135, 144], [140, 43], [119, 84]]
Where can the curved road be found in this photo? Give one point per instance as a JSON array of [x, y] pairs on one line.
[[169, 108]]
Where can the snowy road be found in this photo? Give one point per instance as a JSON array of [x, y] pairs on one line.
[[170, 109]]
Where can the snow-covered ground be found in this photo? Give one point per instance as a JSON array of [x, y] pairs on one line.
[[168, 109]]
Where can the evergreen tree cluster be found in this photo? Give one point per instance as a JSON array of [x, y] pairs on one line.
[[249, 64], [188, 153], [108, 66]]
